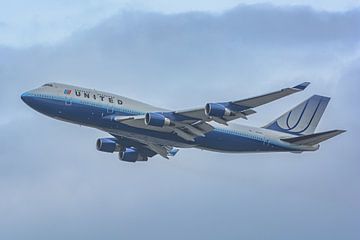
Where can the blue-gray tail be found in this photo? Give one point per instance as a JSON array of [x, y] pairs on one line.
[[303, 119]]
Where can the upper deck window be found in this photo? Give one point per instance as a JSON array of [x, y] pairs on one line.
[[48, 85]]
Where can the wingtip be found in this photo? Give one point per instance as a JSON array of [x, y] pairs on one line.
[[302, 86]]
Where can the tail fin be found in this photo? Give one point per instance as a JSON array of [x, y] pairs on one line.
[[303, 119], [313, 139]]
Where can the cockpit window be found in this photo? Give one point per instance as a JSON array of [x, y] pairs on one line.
[[48, 85]]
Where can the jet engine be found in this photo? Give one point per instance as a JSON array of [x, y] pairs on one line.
[[131, 155], [156, 120], [107, 145], [217, 110]]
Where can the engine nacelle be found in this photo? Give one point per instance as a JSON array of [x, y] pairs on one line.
[[131, 155], [156, 120], [106, 145], [217, 110]]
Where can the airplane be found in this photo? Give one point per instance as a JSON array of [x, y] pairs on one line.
[[140, 131]]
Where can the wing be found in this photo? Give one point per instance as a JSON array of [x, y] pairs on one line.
[[240, 108], [146, 148], [184, 127], [193, 123]]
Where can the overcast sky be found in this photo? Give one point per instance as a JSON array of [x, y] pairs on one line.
[[55, 185], [25, 23]]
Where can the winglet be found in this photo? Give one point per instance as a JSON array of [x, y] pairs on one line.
[[302, 86]]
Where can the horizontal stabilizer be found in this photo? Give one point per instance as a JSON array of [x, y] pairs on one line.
[[313, 139]]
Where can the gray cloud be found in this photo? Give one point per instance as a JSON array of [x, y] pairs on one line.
[[55, 185]]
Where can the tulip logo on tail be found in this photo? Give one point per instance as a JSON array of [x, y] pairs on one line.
[[302, 119]]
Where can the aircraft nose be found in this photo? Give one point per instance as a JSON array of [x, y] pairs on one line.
[[33, 100], [25, 97]]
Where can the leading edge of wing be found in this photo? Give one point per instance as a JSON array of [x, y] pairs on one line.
[[270, 97]]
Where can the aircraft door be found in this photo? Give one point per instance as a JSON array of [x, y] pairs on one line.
[[110, 106], [68, 99]]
